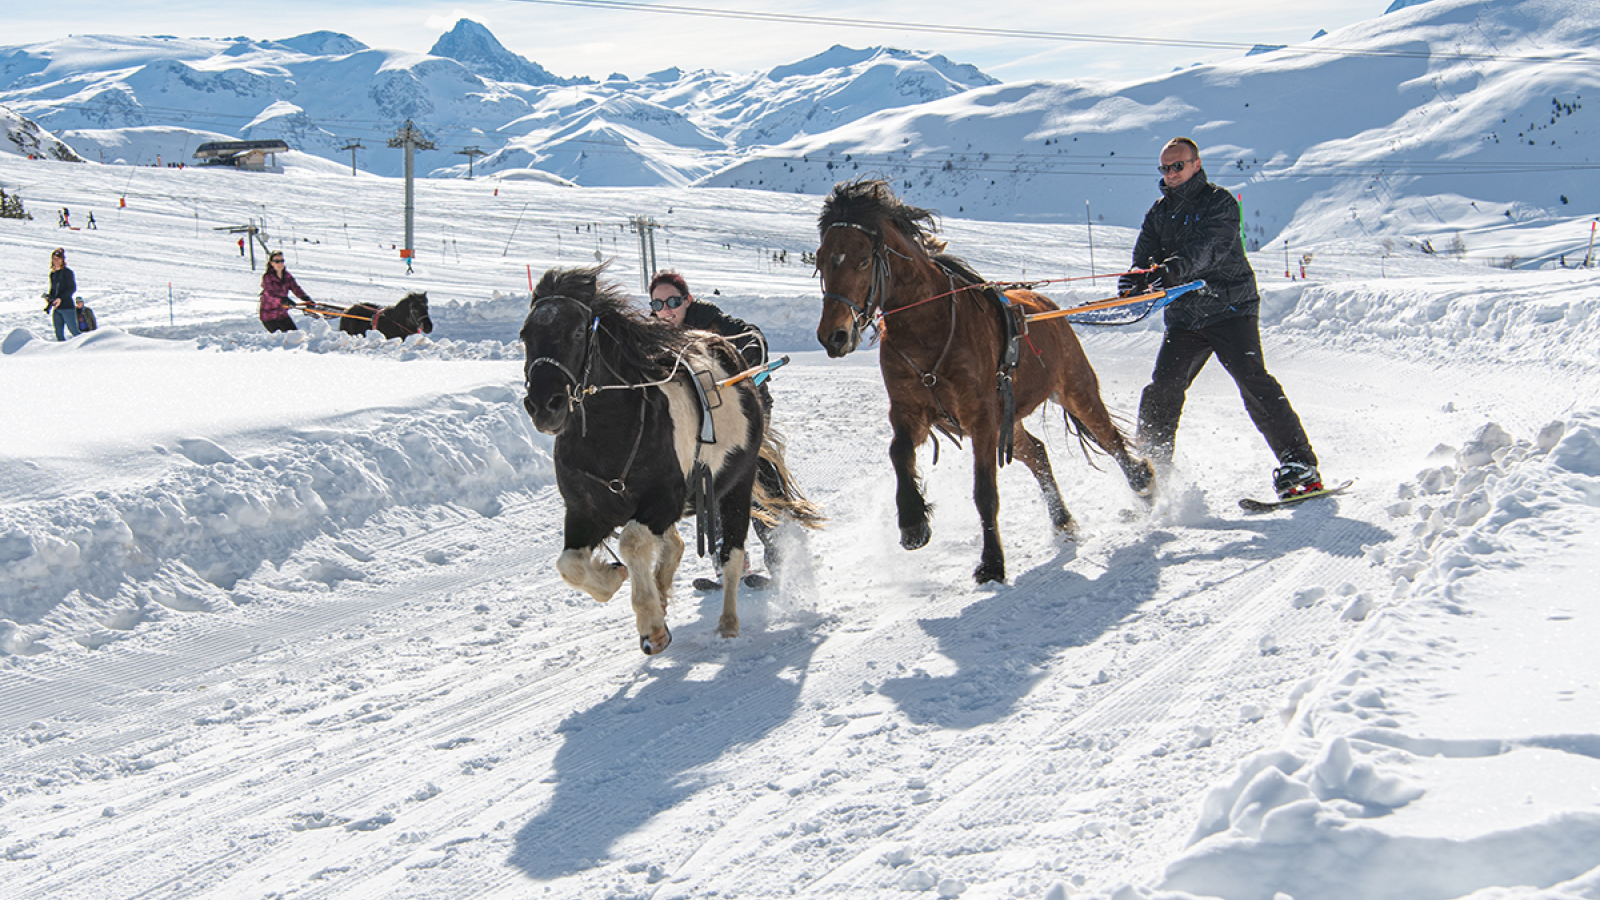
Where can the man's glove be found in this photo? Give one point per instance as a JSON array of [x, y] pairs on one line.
[[1130, 284]]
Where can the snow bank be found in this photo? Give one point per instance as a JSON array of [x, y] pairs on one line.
[[1401, 778], [87, 566]]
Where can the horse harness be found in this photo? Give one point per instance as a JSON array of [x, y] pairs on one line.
[[1012, 317], [702, 490]]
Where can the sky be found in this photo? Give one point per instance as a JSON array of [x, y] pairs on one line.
[[576, 40]]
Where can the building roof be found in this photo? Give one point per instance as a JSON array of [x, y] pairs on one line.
[[223, 149]]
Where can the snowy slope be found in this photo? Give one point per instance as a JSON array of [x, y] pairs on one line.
[[1450, 115], [280, 615]]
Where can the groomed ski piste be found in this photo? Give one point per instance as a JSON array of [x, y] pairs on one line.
[[281, 617]]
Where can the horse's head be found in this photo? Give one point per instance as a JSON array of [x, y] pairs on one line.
[[558, 342], [415, 312], [860, 222]]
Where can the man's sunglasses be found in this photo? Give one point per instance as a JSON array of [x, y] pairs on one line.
[[673, 302], [1175, 167]]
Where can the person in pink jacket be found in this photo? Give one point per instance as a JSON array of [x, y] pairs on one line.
[[276, 285]]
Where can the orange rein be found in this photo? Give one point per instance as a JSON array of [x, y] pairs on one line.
[[1052, 314]]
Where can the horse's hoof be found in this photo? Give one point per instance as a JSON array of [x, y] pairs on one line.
[[986, 572], [728, 627], [1142, 478], [1067, 530], [915, 537], [655, 643]]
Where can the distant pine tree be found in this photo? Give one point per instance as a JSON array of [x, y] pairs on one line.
[[11, 206]]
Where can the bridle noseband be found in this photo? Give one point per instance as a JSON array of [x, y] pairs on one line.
[[577, 386], [863, 313]]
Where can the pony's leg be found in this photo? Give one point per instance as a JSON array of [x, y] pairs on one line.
[[1032, 452], [583, 569], [732, 572], [734, 508], [667, 565], [986, 496], [639, 549], [908, 500]]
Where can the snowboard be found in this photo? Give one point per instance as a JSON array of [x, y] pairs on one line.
[[1251, 505]]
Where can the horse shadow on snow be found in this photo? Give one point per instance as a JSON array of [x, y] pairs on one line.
[[634, 755], [1003, 644]]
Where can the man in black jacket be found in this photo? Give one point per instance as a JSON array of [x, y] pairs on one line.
[[1192, 233]]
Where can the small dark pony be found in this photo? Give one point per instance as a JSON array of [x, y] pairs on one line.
[[635, 445], [944, 358], [408, 317]]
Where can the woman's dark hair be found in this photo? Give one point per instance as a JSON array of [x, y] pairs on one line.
[[668, 276]]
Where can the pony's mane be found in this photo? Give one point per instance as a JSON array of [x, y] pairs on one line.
[[870, 202], [635, 345]]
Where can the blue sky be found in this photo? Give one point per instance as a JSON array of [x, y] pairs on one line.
[[577, 40]]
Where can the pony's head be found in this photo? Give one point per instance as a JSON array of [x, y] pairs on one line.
[[857, 219], [582, 333], [413, 312]]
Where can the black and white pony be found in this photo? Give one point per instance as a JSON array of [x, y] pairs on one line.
[[408, 317], [644, 432]]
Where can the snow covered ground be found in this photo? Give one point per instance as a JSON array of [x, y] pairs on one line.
[[280, 614]]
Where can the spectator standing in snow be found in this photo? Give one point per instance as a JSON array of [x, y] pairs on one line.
[[241, 248], [1192, 233], [58, 300], [90, 224], [276, 285]]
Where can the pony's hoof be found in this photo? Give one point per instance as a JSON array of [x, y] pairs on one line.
[[915, 537], [655, 643], [1067, 530], [728, 626], [988, 572]]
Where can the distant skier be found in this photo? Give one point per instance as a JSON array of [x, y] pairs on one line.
[[276, 285], [1191, 233], [241, 249], [90, 224]]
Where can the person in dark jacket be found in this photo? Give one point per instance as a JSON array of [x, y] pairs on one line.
[[671, 302], [58, 300], [276, 285], [1193, 233]]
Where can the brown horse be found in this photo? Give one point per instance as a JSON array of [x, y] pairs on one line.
[[945, 361]]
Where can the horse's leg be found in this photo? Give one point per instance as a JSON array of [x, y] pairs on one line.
[[582, 568], [1032, 452], [667, 565], [734, 508], [639, 548], [909, 433], [986, 495]]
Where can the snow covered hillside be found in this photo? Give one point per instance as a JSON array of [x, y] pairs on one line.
[[279, 615], [1426, 122], [142, 99]]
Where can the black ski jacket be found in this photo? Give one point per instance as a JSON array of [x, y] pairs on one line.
[[1194, 230], [751, 343]]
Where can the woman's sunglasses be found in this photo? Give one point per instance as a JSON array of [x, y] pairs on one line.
[[1175, 167], [673, 302]]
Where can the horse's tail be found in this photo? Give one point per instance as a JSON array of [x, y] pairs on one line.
[[1087, 442], [775, 493]]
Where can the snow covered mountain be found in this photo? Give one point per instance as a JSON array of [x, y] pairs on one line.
[[1436, 126], [1428, 119], [140, 99]]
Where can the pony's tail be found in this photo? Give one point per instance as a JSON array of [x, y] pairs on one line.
[[782, 499]]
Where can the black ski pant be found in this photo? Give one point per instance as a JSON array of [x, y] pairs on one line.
[[1236, 343]]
